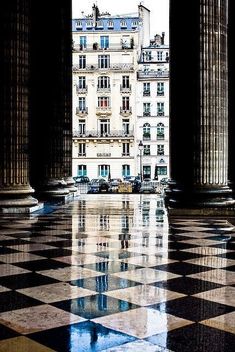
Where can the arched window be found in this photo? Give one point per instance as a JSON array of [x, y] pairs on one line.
[[160, 131], [146, 131]]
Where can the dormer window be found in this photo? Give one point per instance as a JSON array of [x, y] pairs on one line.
[[123, 24], [99, 24], [134, 24], [78, 25], [89, 24], [110, 24]]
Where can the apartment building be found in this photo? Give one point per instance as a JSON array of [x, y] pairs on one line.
[[152, 107], [106, 51]]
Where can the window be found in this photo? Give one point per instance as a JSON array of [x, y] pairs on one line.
[[81, 127], [160, 88], [160, 131], [82, 103], [103, 61], [89, 24], [160, 109], [146, 131], [146, 150], [159, 55], [83, 43], [110, 24], [82, 61], [104, 127], [78, 25], [125, 103], [160, 149], [104, 41], [125, 81], [126, 170], [126, 126], [162, 170], [99, 24], [134, 24], [103, 82], [123, 24], [125, 149], [146, 109], [82, 149], [82, 170], [148, 55], [81, 82], [103, 170], [146, 89], [147, 171], [103, 102]]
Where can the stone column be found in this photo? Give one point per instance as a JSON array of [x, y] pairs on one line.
[[15, 189], [51, 110], [199, 105]]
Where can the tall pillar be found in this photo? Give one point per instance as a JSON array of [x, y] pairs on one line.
[[199, 105], [15, 189], [51, 110], [231, 92]]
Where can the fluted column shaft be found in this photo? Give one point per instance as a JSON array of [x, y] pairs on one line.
[[199, 104], [51, 121], [15, 189]]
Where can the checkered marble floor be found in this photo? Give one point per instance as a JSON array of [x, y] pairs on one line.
[[109, 273]]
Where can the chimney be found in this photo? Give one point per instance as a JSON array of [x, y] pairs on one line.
[[163, 38]]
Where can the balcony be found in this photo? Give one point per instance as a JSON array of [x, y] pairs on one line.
[[146, 113], [152, 74], [103, 155], [160, 113], [97, 134], [160, 93], [82, 112], [126, 111], [81, 90], [125, 90], [125, 67], [160, 136], [103, 110], [104, 90], [97, 47], [146, 93], [146, 136]]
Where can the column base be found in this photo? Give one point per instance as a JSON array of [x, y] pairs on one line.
[[21, 210], [202, 212], [17, 199], [71, 185], [199, 197], [53, 190]]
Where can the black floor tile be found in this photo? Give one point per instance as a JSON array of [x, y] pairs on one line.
[[16, 282], [182, 268], [53, 253], [43, 264], [181, 255], [82, 337], [187, 285], [95, 306], [193, 308], [195, 338], [111, 267], [103, 283], [12, 300], [6, 333]]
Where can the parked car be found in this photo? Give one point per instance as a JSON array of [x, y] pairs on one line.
[[81, 179], [98, 185], [147, 187], [135, 182], [114, 183]]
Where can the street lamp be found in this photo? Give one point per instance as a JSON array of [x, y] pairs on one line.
[[141, 147]]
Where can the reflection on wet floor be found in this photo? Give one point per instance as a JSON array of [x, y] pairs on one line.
[[109, 273]]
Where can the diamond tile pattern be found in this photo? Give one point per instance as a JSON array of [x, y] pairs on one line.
[[108, 273]]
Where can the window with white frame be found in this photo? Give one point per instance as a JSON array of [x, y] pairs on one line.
[[82, 170], [146, 131], [83, 42], [162, 170], [146, 109], [160, 109], [82, 127], [82, 103], [123, 24], [146, 150], [103, 170], [148, 55], [160, 149], [146, 89], [104, 42], [126, 170], [82, 61], [103, 82], [81, 149], [125, 103], [103, 61], [103, 102], [125, 149], [81, 82], [125, 81], [160, 131], [160, 88], [104, 127], [110, 24], [159, 55], [126, 126]]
